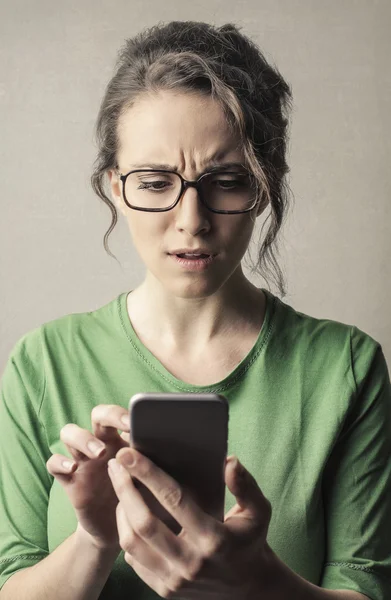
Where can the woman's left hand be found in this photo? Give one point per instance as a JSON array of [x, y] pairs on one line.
[[207, 559]]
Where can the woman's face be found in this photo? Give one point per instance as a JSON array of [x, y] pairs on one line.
[[189, 133]]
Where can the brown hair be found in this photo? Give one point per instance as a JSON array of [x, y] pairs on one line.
[[223, 63]]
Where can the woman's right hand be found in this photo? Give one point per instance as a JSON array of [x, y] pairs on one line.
[[87, 482]]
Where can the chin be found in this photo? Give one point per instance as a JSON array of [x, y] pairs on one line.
[[191, 285], [201, 288]]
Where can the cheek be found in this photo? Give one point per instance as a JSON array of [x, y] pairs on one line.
[[237, 232], [147, 231]]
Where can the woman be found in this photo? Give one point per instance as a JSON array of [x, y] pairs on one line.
[[309, 515]]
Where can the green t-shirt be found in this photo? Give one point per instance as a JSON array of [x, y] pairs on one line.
[[310, 418]]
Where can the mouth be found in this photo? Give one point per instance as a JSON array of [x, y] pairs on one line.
[[193, 262], [192, 253], [189, 256]]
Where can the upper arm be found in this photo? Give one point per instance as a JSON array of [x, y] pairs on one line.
[[357, 482], [26, 483]]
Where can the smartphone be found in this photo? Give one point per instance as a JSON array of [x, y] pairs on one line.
[[186, 435]]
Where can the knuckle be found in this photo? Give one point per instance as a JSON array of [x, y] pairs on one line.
[[127, 541], [50, 464], [172, 496], [54, 464], [214, 545], [95, 413], [175, 584], [144, 469], [67, 430], [101, 412], [194, 568], [147, 526]]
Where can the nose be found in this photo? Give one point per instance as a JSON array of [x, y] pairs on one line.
[[190, 214]]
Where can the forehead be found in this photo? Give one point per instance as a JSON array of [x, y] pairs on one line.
[[176, 127]]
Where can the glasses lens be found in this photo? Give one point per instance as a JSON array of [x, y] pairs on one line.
[[229, 191], [152, 189], [220, 191]]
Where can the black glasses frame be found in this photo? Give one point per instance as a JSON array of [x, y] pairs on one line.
[[184, 185]]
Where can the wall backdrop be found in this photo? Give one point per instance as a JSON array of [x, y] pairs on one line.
[[55, 61]]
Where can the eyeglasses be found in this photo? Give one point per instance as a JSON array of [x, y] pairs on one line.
[[226, 192]]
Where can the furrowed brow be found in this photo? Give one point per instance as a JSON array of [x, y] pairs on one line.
[[211, 168]]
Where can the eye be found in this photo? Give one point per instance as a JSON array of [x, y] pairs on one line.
[[225, 182], [153, 182], [154, 185], [228, 183]]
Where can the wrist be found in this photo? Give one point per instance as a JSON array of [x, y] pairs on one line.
[[97, 546], [281, 582], [270, 572]]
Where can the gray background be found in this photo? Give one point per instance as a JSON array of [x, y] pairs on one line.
[[56, 58]]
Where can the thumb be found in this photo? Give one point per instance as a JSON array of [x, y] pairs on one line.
[[243, 486]]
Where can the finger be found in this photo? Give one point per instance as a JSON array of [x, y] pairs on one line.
[[143, 522], [106, 419], [251, 514], [249, 495], [138, 549], [58, 464], [125, 436], [154, 582], [171, 495], [169, 588], [81, 443]]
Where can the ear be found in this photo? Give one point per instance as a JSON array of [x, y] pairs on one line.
[[115, 187]]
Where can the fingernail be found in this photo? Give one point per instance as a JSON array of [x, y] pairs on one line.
[[115, 466], [68, 465], [128, 459], [95, 447]]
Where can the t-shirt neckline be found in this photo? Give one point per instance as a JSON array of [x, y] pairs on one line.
[[150, 359]]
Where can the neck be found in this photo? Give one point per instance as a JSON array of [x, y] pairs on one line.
[[188, 324]]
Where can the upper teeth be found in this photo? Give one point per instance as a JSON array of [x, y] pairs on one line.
[[190, 254]]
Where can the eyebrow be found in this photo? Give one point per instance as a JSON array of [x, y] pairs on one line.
[[213, 166]]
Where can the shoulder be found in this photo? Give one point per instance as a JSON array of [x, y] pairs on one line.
[[325, 345], [63, 334], [322, 331]]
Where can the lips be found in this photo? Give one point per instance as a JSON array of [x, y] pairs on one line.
[[186, 255], [192, 251], [192, 262]]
